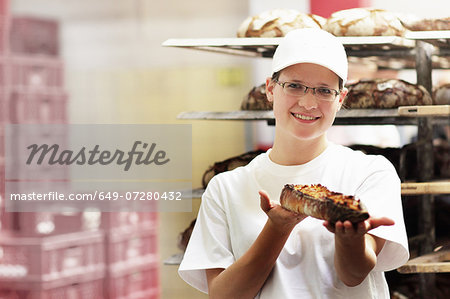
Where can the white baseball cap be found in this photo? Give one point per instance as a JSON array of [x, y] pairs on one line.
[[311, 45]]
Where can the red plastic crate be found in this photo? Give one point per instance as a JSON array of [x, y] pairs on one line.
[[4, 98], [36, 72], [33, 35], [2, 186], [4, 7], [91, 289], [5, 25], [129, 248], [37, 107], [38, 260], [37, 224], [129, 220], [5, 71], [135, 282], [15, 159]]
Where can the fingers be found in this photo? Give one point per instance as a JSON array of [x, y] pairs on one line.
[[376, 222], [343, 227], [347, 228], [265, 201], [361, 228], [330, 227]]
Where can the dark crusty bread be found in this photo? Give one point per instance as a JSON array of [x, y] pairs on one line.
[[319, 202]]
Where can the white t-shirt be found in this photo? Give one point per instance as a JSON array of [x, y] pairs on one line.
[[230, 219]]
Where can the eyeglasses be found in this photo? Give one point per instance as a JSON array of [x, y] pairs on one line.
[[299, 90]]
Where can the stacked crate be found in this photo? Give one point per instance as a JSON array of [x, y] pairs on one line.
[[35, 74], [132, 268], [67, 255], [42, 267], [42, 255]]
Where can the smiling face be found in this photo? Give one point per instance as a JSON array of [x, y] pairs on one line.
[[306, 117]]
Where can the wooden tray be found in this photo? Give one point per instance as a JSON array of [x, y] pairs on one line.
[[426, 188], [436, 262], [429, 110]]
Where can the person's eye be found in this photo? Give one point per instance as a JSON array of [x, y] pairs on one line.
[[324, 91], [294, 86]]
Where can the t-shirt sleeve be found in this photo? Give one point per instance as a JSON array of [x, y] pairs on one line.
[[381, 193], [209, 246]]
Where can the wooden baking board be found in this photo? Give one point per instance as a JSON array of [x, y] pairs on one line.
[[430, 110], [426, 188], [436, 262]]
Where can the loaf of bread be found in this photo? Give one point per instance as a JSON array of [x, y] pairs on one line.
[[364, 22], [319, 202], [256, 99], [278, 22], [385, 93], [427, 24], [441, 95], [228, 164], [185, 236]]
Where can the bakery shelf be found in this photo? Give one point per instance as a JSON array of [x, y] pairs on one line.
[[442, 187], [439, 38], [265, 47], [408, 188], [422, 51], [430, 263], [401, 116], [392, 52], [174, 259], [230, 115], [431, 110], [436, 262], [194, 193], [256, 47]]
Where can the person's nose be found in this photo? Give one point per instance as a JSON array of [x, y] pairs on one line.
[[308, 100]]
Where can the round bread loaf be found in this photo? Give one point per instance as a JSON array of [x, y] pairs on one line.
[[185, 236], [228, 164], [256, 99], [364, 22], [427, 24], [278, 22], [442, 95], [385, 93]]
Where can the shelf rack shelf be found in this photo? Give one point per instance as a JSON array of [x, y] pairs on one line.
[[422, 51], [408, 188], [390, 51], [413, 188], [406, 115], [436, 262], [265, 47]]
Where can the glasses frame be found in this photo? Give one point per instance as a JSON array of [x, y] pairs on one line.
[[282, 84]]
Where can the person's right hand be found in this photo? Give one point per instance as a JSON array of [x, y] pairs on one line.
[[281, 218]]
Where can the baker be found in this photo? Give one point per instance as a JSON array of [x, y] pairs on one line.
[[245, 245]]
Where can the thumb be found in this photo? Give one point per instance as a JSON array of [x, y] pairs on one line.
[[376, 222], [265, 201]]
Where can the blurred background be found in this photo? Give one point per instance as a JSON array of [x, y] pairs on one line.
[[104, 64]]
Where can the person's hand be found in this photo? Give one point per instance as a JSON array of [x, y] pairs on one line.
[[349, 230], [281, 218]]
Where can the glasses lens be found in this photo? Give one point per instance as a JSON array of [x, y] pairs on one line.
[[326, 94], [299, 90], [294, 89]]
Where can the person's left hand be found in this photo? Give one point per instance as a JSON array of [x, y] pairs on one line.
[[349, 230]]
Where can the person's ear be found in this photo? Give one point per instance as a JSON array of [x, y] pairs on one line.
[[269, 89], [342, 96]]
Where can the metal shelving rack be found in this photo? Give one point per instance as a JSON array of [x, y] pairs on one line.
[[422, 51]]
